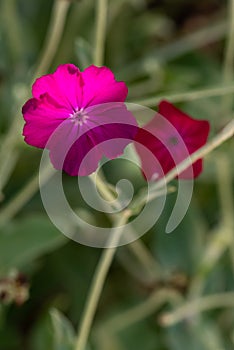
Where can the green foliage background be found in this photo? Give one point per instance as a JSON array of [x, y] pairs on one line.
[[155, 47]]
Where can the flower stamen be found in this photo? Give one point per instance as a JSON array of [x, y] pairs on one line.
[[79, 117]]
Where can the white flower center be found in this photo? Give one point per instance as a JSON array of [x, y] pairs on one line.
[[79, 117]]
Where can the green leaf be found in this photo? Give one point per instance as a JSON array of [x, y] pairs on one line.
[[24, 240], [53, 331], [63, 331]]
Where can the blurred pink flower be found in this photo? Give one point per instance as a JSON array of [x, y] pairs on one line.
[[169, 138], [73, 112]]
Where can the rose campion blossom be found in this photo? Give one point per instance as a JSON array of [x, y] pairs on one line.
[[171, 136], [74, 112]]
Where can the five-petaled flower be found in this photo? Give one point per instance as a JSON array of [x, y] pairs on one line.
[[73, 113], [169, 138], [81, 117]]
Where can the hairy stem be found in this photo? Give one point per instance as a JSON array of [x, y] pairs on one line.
[[97, 286]]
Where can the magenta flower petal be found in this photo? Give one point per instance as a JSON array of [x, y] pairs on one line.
[[110, 128], [115, 122], [78, 161], [171, 136], [72, 113], [102, 79], [64, 86], [42, 117], [69, 147]]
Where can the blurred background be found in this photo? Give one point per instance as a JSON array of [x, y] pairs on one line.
[[160, 48]]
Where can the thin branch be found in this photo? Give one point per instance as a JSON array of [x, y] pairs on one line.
[[23, 196], [53, 36], [221, 237], [223, 136], [229, 58], [190, 309], [187, 96], [13, 29], [101, 23], [188, 43], [151, 268], [224, 174], [97, 286], [143, 310]]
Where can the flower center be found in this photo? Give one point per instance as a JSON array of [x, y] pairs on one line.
[[79, 117]]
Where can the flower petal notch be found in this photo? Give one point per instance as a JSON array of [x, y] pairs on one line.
[[171, 136], [72, 112]]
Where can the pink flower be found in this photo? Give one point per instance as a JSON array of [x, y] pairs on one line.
[[73, 112], [169, 138]]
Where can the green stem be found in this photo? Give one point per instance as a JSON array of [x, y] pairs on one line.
[[53, 36], [225, 182], [101, 23], [190, 309], [188, 43], [23, 196], [146, 259], [13, 29], [229, 52], [17, 203], [97, 287], [221, 236], [151, 268], [221, 239], [223, 136], [224, 177], [187, 96], [8, 161], [7, 170], [143, 310], [102, 187], [14, 35]]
